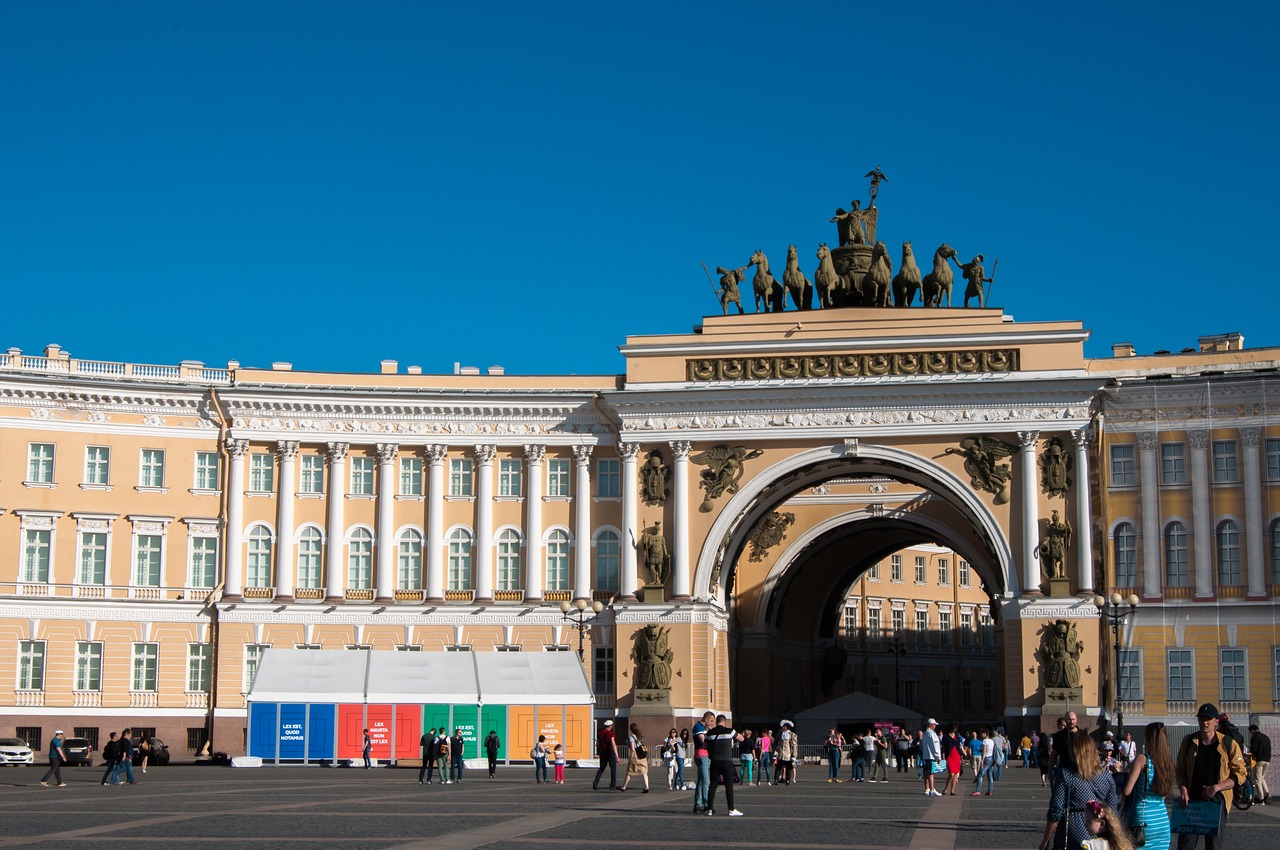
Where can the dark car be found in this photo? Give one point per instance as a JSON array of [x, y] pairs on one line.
[[78, 751], [159, 753]]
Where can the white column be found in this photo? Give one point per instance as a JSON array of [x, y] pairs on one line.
[[1030, 514], [1149, 490], [385, 546], [435, 522], [1201, 514], [287, 452], [680, 579], [484, 522], [628, 580], [533, 523], [1254, 545], [582, 522], [335, 576], [233, 558], [1083, 521]]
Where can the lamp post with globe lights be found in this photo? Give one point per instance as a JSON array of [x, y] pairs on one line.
[[1113, 612], [578, 614]]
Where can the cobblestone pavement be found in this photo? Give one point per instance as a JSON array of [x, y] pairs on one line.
[[385, 809]]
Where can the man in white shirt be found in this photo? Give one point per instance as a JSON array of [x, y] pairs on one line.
[[1128, 751], [930, 754]]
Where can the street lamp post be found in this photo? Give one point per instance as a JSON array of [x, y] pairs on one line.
[[577, 614], [899, 649], [1113, 613]]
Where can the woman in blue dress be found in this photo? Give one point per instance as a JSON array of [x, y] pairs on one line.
[[1152, 778]]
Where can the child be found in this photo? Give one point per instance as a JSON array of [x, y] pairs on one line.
[[558, 760], [1104, 822]]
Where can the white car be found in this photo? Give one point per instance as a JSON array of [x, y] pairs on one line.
[[15, 751]]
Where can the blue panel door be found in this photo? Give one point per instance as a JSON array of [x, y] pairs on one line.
[[262, 730], [293, 731], [320, 732]]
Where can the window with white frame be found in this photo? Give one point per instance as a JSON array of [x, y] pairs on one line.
[[1131, 675], [203, 566], [1123, 472], [986, 629], [895, 568], [922, 628], [40, 463], [36, 546], [310, 552], [874, 625], [1126, 555], [262, 473], [148, 557], [510, 475], [873, 574], [88, 665], [252, 658], [1228, 553], [608, 562], [944, 628], [151, 472], [966, 579], [1226, 469], [558, 477], [508, 560], [944, 572], [1180, 675], [1173, 464], [410, 476], [206, 471], [361, 476], [97, 466], [557, 550], [146, 657], [93, 558], [1273, 458], [1234, 675], [360, 559], [603, 680], [457, 648], [198, 665], [850, 623], [460, 545], [897, 622], [966, 628], [409, 560], [311, 482], [608, 478], [460, 477], [920, 570], [258, 564], [1175, 555], [31, 665]]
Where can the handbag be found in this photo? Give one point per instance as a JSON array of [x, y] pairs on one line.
[[1138, 831]]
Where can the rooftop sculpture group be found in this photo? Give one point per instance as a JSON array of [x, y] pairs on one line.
[[858, 272]]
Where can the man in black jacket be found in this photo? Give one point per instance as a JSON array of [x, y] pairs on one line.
[[720, 740], [1260, 749], [428, 743], [111, 756], [126, 754]]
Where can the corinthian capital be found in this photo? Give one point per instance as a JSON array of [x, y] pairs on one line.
[[337, 451], [535, 454], [1250, 438], [236, 448], [387, 452], [582, 454], [629, 451], [436, 453], [1198, 439], [287, 449], [680, 449], [486, 454]]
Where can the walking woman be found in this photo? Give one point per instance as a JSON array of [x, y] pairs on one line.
[[953, 755], [638, 761], [1065, 822], [1152, 777]]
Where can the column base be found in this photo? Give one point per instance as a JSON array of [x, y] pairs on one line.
[[384, 600], [232, 597], [1261, 598], [534, 600], [682, 597], [284, 597], [631, 597], [482, 600], [1209, 598], [334, 600], [433, 600]]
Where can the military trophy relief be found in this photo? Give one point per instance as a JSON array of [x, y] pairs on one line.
[[655, 479], [768, 533], [1055, 468], [985, 462], [723, 472], [857, 272], [1059, 655], [651, 651]]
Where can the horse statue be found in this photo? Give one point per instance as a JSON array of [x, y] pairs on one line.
[[797, 284], [825, 279], [765, 286], [906, 283], [879, 276], [938, 281]]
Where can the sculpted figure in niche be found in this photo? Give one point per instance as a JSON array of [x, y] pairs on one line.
[[724, 470], [1055, 463], [982, 456], [1053, 548], [655, 556], [1061, 655], [653, 656], [654, 476]]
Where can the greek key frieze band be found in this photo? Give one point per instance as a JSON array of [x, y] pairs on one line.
[[853, 365]]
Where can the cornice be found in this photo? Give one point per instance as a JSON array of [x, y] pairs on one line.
[[713, 346], [113, 611]]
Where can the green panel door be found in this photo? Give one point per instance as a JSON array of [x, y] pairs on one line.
[[466, 717], [436, 717], [493, 718]]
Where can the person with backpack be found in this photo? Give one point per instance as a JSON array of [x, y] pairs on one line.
[[492, 745], [111, 757]]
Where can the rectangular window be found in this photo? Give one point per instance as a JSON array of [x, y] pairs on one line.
[[1235, 675], [1225, 468], [608, 478], [558, 562], [312, 481], [147, 551], [252, 657], [922, 628], [145, 658], [557, 477], [944, 628], [198, 657], [966, 694], [986, 629], [873, 574], [873, 686], [602, 680], [40, 463], [152, 471], [360, 560], [1275, 672], [966, 628], [874, 626], [946, 694], [310, 546], [31, 665], [1173, 463], [897, 622], [97, 466], [410, 476], [965, 579], [1131, 675], [944, 572], [608, 562], [895, 568], [1126, 555], [510, 471], [262, 473], [920, 570], [195, 739], [850, 623], [911, 693], [1273, 459], [1181, 676], [32, 735], [203, 568], [1123, 473], [36, 543], [460, 479], [1228, 554], [362, 476], [206, 471], [93, 558], [988, 695], [409, 561], [89, 733], [88, 666]]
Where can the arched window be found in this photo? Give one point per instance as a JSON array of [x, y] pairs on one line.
[[409, 561], [258, 565], [310, 549], [608, 562], [1228, 554], [558, 561], [460, 560], [1126, 555], [508, 560], [1175, 555], [360, 559]]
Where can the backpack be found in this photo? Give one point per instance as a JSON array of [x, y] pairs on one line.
[[641, 752], [111, 752]]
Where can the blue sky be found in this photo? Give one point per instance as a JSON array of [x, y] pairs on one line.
[[525, 184]]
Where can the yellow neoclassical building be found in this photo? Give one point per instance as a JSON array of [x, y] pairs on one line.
[[855, 502]]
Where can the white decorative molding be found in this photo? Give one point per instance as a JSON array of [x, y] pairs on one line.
[[959, 415]]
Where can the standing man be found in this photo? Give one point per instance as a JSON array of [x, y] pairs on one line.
[[442, 756], [1062, 757], [607, 753], [1128, 751], [366, 749], [1260, 747], [428, 743], [111, 757], [126, 754], [491, 747], [701, 760], [1209, 767], [56, 758], [457, 749], [1001, 753], [720, 740], [930, 754]]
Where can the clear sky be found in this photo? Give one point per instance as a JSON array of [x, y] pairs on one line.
[[524, 184]]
